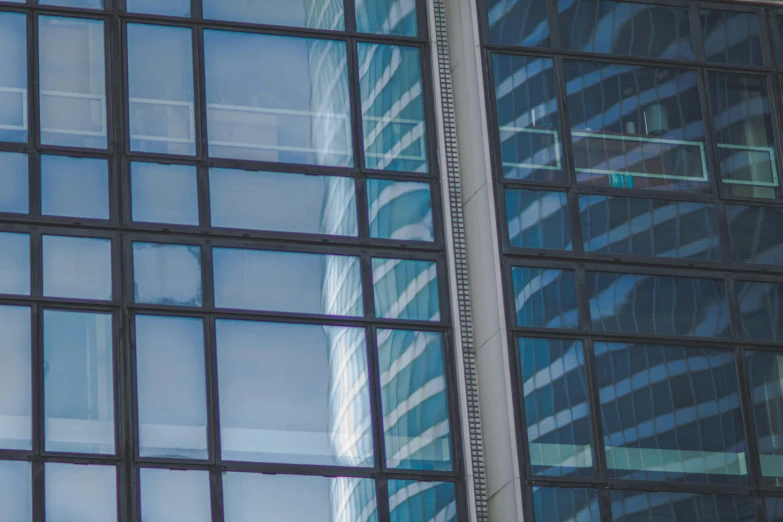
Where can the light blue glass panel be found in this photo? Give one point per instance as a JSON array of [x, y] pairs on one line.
[[731, 37], [164, 194], [15, 381], [538, 219], [14, 183], [74, 187], [90, 4], [77, 267], [406, 289], [78, 382], [14, 124], [160, 85], [16, 491], [72, 73], [159, 7], [395, 134], [397, 17], [632, 506], [761, 310], [287, 282], [14, 263], [566, 505], [400, 210], [294, 393], [411, 501], [282, 202], [167, 274], [545, 298], [518, 22], [319, 14], [77, 492], [415, 400], [277, 98], [171, 387], [168, 495]]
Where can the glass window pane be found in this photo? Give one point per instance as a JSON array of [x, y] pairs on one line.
[[296, 13], [175, 495], [72, 73], [775, 509], [411, 501], [171, 387], [14, 184], [287, 282], [396, 17], [14, 263], [400, 210], [761, 310], [630, 506], [731, 37], [294, 393], [566, 505], [648, 227], [279, 497], [78, 382], [518, 22], [415, 400], [529, 131], [77, 492], [164, 194], [661, 305], [671, 413], [406, 289], [77, 267], [91, 4], [167, 274], [756, 234], [765, 376], [636, 127], [281, 202], [13, 78], [607, 26], [160, 88], [744, 134], [545, 298], [557, 414], [395, 134], [159, 7], [16, 490], [74, 187], [15, 382], [270, 100], [538, 219]]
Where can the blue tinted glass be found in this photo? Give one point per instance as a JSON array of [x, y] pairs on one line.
[[529, 131], [395, 135], [400, 210], [545, 298], [636, 127], [175, 495], [648, 227], [277, 98], [662, 305], [78, 382], [557, 415], [518, 22], [633, 506], [287, 282], [731, 37], [406, 289], [756, 234], [606, 26], [74, 187], [14, 184], [162, 117], [744, 135], [15, 382], [77, 267], [282, 202], [566, 505], [761, 310], [13, 77], [411, 501], [78, 492], [670, 413], [415, 402], [298, 13], [159, 7], [164, 194], [167, 274], [396, 17], [16, 483], [538, 219], [765, 378], [92, 4], [14, 263], [775, 509]]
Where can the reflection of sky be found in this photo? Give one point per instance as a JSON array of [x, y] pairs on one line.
[[15, 399], [168, 495], [83, 493], [77, 267]]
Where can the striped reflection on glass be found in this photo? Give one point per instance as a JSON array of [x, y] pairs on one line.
[[761, 310], [756, 234], [397, 17], [638, 506], [538, 219], [566, 505], [400, 210], [545, 298], [765, 376], [411, 501], [406, 289]]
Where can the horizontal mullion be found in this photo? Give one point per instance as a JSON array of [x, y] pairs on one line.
[[642, 485]]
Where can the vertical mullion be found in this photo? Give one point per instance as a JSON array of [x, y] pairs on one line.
[[775, 105], [200, 92], [39, 491], [216, 491], [716, 184], [594, 412], [213, 393], [376, 404], [33, 97], [746, 404], [566, 144], [349, 14], [382, 499], [554, 25]]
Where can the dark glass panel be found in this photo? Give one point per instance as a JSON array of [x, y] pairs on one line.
[[756, 234], [636, 127], [77, 267], [16, 486], [321, 14], [14, 263], [518, 22], [411, 501], [406, 289], [538, 219], [167, 274], [661, 305], [761, 310], [640, 506], [16, 404], [74, 187], [648, 227], [79, 492], [400, 210], [175, 495], [566, 505], [765, 378], [159, 7], [731, 37], [775, 509], [545, 297], [397, 17], [557, 414], [14, 184], [13, 78], [166, 194]]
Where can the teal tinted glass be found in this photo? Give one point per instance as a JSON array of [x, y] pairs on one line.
[[397, 17], [545, 297], [400, 210], [411, 501], [538, 219], [406, 289]]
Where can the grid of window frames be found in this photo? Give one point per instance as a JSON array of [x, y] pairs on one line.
[[222, 279], [638, 165]]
